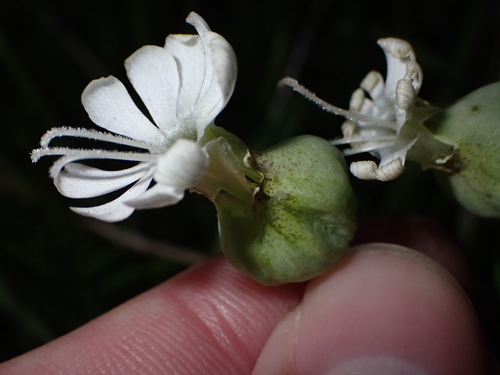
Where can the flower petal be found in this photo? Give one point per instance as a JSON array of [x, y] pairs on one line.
[[208, 73], [398, 54], [399, 150], [116, 210], [81, 181], [182, 165], [176, 170], [158, 196], [110, 106], [155, 76], [222, 58]]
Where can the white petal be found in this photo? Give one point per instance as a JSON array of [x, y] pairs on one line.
[[189, 54], [208, 73], [116, 210], [110, 106], [177, 170], [399, 150], [158, 196], [198, 22], [155, 76], [398, 53], [182, 165], [81, 181], [223, 60]]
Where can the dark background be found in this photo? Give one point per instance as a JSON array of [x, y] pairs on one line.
[[58, 271]]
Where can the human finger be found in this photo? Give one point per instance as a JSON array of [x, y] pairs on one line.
[[383, 309], [418, 233], [210, 319]]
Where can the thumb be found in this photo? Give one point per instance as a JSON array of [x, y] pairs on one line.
[[383, 309]]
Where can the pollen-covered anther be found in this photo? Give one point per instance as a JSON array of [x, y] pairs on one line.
[[364, 170], [390, 171]]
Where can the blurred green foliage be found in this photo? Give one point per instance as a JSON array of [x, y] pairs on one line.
[[56, 273]]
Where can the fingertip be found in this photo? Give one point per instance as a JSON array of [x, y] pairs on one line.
[[382, 305], [419, 233]]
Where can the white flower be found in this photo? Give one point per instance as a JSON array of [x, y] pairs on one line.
[[374, 124], [184, 85]]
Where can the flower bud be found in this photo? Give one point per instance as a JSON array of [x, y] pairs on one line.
[[472, 125], [302, 217]]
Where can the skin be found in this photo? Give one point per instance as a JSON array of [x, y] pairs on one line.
[[383, 309]]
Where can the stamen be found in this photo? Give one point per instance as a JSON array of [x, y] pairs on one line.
[[296, 86]]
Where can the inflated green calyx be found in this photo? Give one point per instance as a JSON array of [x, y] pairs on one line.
[[301, 219], [472, 125]]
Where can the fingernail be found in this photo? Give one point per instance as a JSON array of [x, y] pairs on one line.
[[377, 366]]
